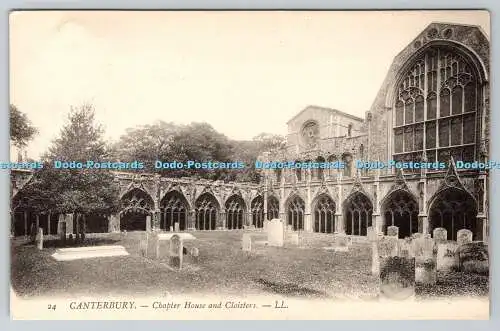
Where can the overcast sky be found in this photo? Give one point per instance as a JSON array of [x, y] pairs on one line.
[[242, 72]]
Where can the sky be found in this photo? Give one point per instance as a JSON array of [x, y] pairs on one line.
[[242, 72]]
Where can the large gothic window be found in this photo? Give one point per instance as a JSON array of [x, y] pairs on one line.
[[235, 209], [296, 213], [173, 209], [435, 109], [324, 214], [206, 212], [358, 214]]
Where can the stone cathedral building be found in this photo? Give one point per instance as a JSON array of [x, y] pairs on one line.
[[433, 106]]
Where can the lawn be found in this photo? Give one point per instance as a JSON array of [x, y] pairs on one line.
[[222, 268]]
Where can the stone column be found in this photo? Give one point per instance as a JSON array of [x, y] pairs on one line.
[[48, 222], [265, 204], [148, 223], [191, 221], [223, 216], [423, 223], [249, 218], [339, 224], [25, 215], [114, 223], [378, 223], [155, 225]]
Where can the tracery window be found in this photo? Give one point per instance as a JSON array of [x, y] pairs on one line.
[[435, 109], [296, 213], [357, 214], [257, 208], [273, 208], [206, 212], [235, 208], [174, 209], [324, 215]]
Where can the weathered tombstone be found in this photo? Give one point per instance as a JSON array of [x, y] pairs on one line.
[[464, 236], [440, 235], [194, 253], [289, 228], [293, 238], [405, 248], [246, 242], [40, 239], [340, 242], [397, 273], [275, 233], [447, 256], [416, 235], [266, 224], [176, 227], [425, 261], [175, 252], [171, 228], [393, 231], [474, 258]]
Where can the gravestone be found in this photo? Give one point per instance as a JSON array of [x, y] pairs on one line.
[[464, 236], [416, 235], [266, 224], [440, 235], [61, 231], [447, 256], [293, 239], [39, 239], [176, 227], [275, 233], [405, 248], [397, 273], [425, 261], [194, 253], [393, 231], [171, 229], [289, 228], [246, 242], [340, 242], [175, 252], [474, 257]]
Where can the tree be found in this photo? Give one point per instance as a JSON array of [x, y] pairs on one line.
[[269, 141], [76, 191], [21, 130]]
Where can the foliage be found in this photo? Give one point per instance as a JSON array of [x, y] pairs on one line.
[[21, 130]]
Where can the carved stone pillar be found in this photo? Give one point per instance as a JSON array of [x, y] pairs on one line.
[[191, 221], [114, 223], [339, 224]]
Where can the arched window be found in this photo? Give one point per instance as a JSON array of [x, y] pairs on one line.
[[324, 214], [357, 214], [440, 116], [206, 212], [136, 205], [258, 212], [174, 209], [401, 210], [235, 209], [296, 213]]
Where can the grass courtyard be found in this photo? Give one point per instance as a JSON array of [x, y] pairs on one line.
[[222, 268]]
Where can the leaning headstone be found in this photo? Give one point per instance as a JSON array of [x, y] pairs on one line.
[[40, 239], [474, 258], [393, 231], [246, 242], [340, 242], [464, 236], [275, 233], [447, 256], [397, 273], [176, 227], [175, 253], [425, 261], [440, 235]]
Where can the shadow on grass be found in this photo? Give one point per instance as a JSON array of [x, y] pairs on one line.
[[290, 289], [56, 243]]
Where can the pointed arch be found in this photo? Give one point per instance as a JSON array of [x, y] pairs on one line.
[[136, 205], [454, 209], [400, 208], [206, 212], [257, 208], [235, 212], [324, 213], [357, 210], [295, 209], [174, 208]]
